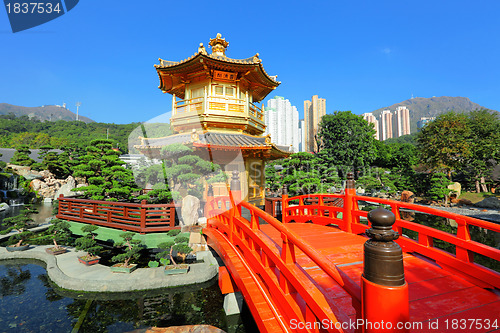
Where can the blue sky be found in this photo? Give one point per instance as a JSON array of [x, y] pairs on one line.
[[359, 55]]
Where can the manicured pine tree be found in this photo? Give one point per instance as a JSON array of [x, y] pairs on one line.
[[105, 174], [22, 156]]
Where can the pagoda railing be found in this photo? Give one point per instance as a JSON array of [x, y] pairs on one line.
[[218, 104]]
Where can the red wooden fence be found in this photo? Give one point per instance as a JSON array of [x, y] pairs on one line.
[[137, 217]]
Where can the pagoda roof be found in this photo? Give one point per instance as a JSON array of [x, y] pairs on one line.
[[217, 140], [174, 74]]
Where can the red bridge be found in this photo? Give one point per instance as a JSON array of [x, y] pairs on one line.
[[313, 272]]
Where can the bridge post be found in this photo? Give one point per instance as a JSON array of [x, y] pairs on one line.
[[350, 192], [210, 197], [284, 204], [235, 187], [384, 291]]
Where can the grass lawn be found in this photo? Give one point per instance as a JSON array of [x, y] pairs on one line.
[[476, 197]]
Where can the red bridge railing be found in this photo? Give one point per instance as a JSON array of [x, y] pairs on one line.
[[137, 217], [312, 208], [277, 268]]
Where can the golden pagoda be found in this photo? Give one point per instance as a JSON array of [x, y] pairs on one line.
[[214, 112]]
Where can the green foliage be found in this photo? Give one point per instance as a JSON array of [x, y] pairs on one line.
[[438, 186], [173, 232], [34, 133], [179, 244], [153, 264], [21, 156], [103, 171], [445, 143], [181, 239], [88, 243], [20, 223], [347, 141], [60, 231], [485, 150], [305, 173], [186, 171], [132, 249]]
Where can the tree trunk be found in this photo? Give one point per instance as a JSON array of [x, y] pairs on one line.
[[483, 185], [478, 189]]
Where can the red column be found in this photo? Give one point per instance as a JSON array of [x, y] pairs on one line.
[[350, 192]]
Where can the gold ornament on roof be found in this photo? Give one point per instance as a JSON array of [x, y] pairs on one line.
[[202, 49], [218, 45]]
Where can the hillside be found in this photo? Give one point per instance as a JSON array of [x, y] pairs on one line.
[[47, 112], [431, 107]]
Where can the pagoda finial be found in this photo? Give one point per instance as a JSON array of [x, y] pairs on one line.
[[218, 45]]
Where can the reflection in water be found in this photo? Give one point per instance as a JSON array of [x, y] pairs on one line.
[[31, 303]]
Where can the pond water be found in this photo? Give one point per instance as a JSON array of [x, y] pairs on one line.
[[29, 302]]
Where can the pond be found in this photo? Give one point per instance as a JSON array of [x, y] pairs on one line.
[[31, 303]]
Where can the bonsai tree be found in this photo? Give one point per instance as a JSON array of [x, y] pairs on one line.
[[20, 223], [179, 244], [132, 248], [88, 243], [59, 231]]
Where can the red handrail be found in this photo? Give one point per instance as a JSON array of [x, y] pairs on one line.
[[263, 254], [137, 217], [463, 261]]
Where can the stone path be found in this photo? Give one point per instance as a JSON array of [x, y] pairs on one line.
[[67, 272]]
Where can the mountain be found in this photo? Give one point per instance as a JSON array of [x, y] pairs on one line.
[[431, 107], [46, 112]]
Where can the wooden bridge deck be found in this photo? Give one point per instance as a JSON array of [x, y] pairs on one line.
[[437, 296]]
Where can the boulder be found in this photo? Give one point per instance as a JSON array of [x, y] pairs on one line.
[[66, 189], [189, 211], [491, 202], [46, 174], [407, 196], [464, 202], [36, 184], [456, 187]]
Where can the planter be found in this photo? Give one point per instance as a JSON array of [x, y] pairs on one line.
[[55, 251], [119, 268], [88, 260], [180, 269], [17, 248]]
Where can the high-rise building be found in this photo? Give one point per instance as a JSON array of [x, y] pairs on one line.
[[369, 117], [313, 111], [282, 122], [402, 117], [386, 124], [424, 120], [302, 135]]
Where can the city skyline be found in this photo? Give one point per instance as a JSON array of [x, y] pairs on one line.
[[103, 56]]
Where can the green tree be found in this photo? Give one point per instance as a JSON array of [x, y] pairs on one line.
[[445, 144], [439, 186], [103, 170], [305, 173], [485, 147], [347, 141], [132, 249], [186, 171], [22, 156]]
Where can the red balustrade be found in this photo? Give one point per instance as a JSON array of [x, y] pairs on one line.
[[312, 208], [288, 285], [138, 217]]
